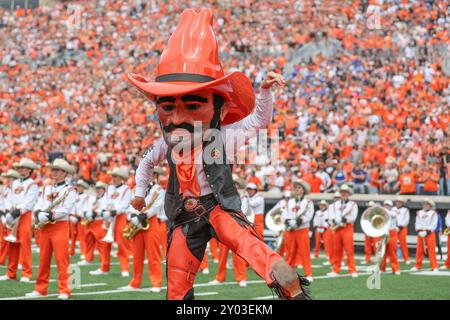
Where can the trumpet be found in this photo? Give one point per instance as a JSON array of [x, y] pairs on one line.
[[131, 229]]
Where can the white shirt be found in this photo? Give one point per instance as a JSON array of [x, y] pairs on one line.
[[52, 194], [24, 195], [158, 203], [339, 210], [80, 204], [98, 205], [320, 219], [119, 197], [257, 203], [402, 216], [258, 119], [294, 209], [426, 220], [393, 215], [4, 191]]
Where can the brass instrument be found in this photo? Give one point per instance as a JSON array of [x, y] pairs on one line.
[[109, 237], [36, 223], [336, 226], [131, 229], [86, 221], [447, 231], [12, 237]]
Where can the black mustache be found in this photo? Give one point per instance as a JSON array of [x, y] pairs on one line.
[[184, 125]]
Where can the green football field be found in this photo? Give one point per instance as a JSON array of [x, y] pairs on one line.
[[418, 285]]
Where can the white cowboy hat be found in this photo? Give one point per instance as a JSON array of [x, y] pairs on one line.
[[252, 186], [11, 174], [345, 187], [100, 184], [336, 195], [305, 185], [429, 201], [119, 172], [83, 184], [371, 203], [63, 165], [401, 199], [25, 163], [387, 202], [323, 202]]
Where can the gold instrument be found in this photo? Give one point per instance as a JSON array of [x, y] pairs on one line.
[[38, 225], [86, 221], [447, 231], [109, 237], [12, 237], [335, 226], [131, 229]]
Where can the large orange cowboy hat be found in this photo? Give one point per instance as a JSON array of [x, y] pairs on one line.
[[191, 62]]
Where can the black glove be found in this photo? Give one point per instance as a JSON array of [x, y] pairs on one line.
[[142, 217], [113, 213], [2, 213], [344, 220], [15, 213]]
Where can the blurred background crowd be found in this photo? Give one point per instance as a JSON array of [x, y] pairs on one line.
[[366, 104]]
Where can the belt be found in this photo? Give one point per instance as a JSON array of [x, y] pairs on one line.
[[198, 206]]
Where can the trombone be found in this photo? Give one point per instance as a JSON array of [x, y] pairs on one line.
[[14, 227]]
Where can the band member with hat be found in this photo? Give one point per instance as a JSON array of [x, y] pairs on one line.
[[192, 93], [53, 209], [447, 223], [22, 200], [256, 203], [322, 232], [148, 241], [331, 209], [426, 223], [120, 196], [402, 223], [161, 221], [343, 217], [5, 206], [391, 245], [370, 243], [77, 231]]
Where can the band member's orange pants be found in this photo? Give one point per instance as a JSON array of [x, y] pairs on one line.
[[37, 236], [73, 230], [239, 264], [161, 229], [54, 239], [182, 264], [298, 249], [327, 243], [370, 246], [259, 225], [125, 247], [21, 250], [447, 262], [343, 242], [147, 241], [81, 235], [403, 245], [391, 252], [94, 233], [430, 241], [3, 245]]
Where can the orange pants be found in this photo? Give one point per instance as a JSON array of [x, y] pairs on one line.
[[94, 233], [214, 248], [81, 235], [447, 262], [182, 264], [430, 241], [3, 245], [343, 242], [403, 245], [391, 251], [37, 236], [298, 249], [21, 250], [327, 243], [125, 247], [239, 264], [147, 241], [259, 225], [73, 230], [54, 239], [161, 227], [370, 246]]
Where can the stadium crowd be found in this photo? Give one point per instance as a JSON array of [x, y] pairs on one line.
[[376, 115]]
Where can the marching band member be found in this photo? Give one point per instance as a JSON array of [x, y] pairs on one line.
[[22, 200], [447, 223], [331, 210], [370, 243], [300, 211], [343, 217], [402, 222], [95, 230], [120, 196], [256, 203], [322, 231], [426, 223], [54, 208], [5, 206], [391, 245], [148, 241], [76, 229]]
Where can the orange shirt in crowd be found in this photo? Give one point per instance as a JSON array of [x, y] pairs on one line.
[[407, 183]]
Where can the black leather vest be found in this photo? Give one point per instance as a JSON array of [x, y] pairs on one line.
[[218, 173]]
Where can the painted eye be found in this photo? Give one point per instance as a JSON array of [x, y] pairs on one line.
[[168, 107], [192, 107]]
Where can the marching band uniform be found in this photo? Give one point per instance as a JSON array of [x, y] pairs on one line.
[[447, 262], [120, 197], [55, 236], [148, 241], [402, 222], [344, 212], [426, 223], [370, 243], [256, 203], [4, 206], [391, 245], [23, 197], [322, 232], [78, 231]]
